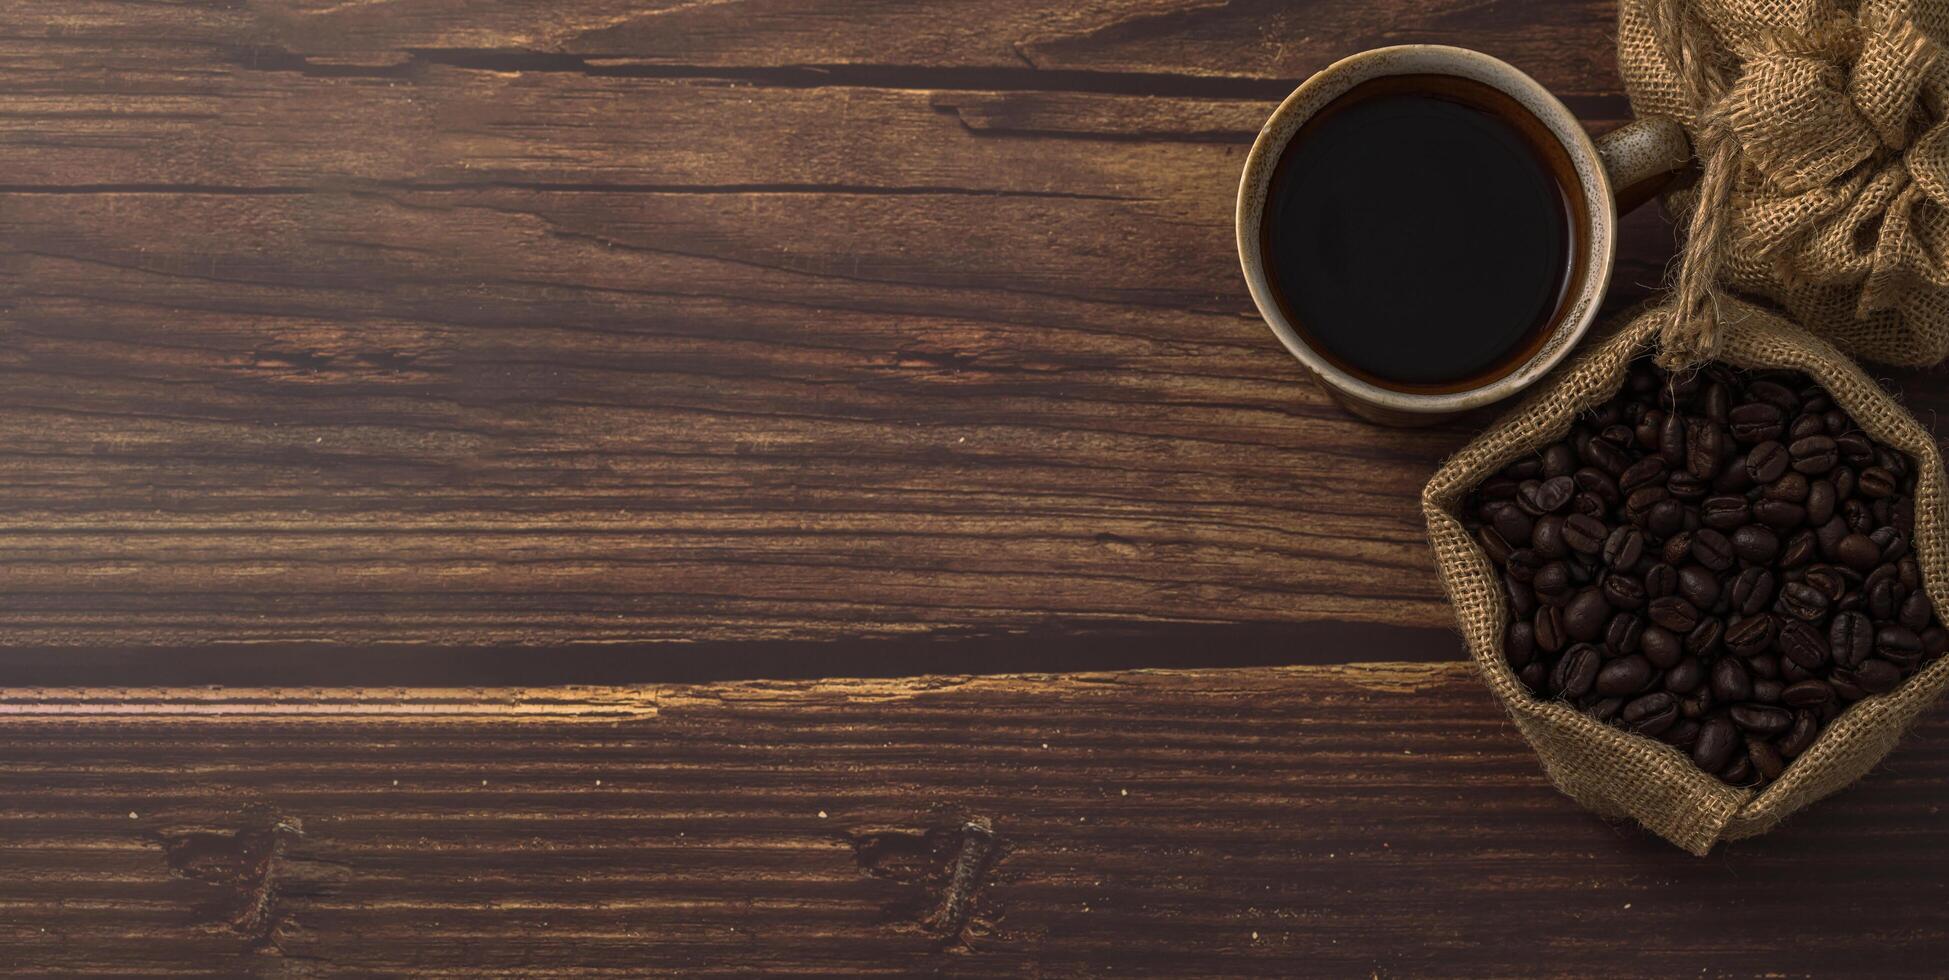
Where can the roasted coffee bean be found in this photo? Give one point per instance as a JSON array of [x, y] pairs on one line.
[[1586, 615], [1671, 441], [1895, 640], [1821, 501], [1510, 522], [1547, 496], [1831, 581], [1673, 612], [1547, 538], [1792, 673], [1850, 638], [1741, 772], [1522, 599], [1550, 632], [1790, 488], [1558, 460], [1623, 591], [1803, 645], [1605, 709], [1767, 690], [1757, 422], [1804, 426], [1584, 534], [1761, 719], [1523, 563], [1781, 514], [1765, 666], [1519, 644], [1662, 647], [1599, 484], [1552, 583], [1605, 455], [1857, 552], [1645, 472], [1755, 544], [1846, 688], [1877, 676], [1686, 487], [1855, 447], [1775, 394], [1650, 714], [1813, 455], [1731, 682], [1801, 737], [1623, 633], [1717, 740], [1683, 732], [1696, 704], [1893, 543], [1800, 549], [1767, 462], [1765, 759], [1711, 549], [1718, 402], [1877, 482], [1493, 545], [1699, 586], [1624, 547], [1916, 612], [1703, 442], [1625, 675], [1666, 518], [1881, 599], [1724, 513], [1797, 599], [1705, 637], [1685, 676], [1935, 640], [1807, 694], [1751, 635], [1843, 480], [1660, 580], [1576, 672], [1752, 591]]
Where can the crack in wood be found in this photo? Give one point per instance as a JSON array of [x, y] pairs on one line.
[[249, 867]]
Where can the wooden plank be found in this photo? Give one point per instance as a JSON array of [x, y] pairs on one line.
[[1381, 819]]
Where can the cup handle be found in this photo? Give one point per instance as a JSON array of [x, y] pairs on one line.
[[1643, 157]]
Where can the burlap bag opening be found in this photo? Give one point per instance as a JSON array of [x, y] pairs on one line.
[[1618, 774], [1820, 129]]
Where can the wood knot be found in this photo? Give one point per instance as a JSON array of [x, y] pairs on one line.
[[948, 865]]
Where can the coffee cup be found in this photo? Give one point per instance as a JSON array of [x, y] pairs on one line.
[[1428, 230]]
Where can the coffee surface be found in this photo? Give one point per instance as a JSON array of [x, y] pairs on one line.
[[1417, 236]]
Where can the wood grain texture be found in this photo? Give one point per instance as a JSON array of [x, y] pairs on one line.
[[1377, 819], [551, 324]]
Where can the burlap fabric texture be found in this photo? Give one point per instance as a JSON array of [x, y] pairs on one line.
[[1623, 775], [1819, 125]]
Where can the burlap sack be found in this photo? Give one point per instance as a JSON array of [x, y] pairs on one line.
[[1820, 129], [1619, 774]]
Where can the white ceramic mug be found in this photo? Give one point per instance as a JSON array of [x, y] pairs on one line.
[[1616, 173]]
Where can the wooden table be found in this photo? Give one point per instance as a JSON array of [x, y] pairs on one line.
[[454, 449]]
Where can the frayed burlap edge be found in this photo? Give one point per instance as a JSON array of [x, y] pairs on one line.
[[1617, 774]]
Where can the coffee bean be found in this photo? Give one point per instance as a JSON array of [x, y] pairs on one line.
[[1751, 635], [1717, 740], [1877, 482], [1673, 612], [1586, 615], [1813, 455], [1790, 488], [1699, 586], [1684, 486], [1683, 732], [1558, 460], [1576, 672], [1767, 462], [1605, 455], [1877, 676], [1843, 480], [1781, 514], [1846, 688], [1510, 522], [1650, 714], [1803, 644], [1671, 441], [1666, 518], [1801, 737], [1519, 644], [1916, 612], [1858, 552], [1705, 637], [1807, 694], [1547, 538], [1662, 647], [1850, 638], [1881, 599], [1624, 547], [1731, 682], [1797, 599], [1645, 472], [1604, 709], [1625, 675], [1832, 581], [1623, 633], [1767, 690], [1804, 426], [1711, 549], [1551, 635], [1685, 676], [1761, 719], [1800, 549], [1895, 641], [1493, 545], [1752, 590], [1893, 543], [1855, 447], [1552, 583], [1724, 513], [1756, 544], [1598, 484], [1660, 580], [1757, 422], [1821, 501], [1703, 441], [1584, 534], [1765, 759], [1741, 772], [1547, 496]]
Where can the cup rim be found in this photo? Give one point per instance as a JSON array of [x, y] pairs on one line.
[[1439, 59]]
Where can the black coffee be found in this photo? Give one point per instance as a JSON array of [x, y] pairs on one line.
[[1419, 232]]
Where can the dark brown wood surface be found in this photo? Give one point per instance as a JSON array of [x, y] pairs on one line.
[[394, 363]]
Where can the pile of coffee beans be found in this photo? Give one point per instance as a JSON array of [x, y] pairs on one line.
[[1718, 559]]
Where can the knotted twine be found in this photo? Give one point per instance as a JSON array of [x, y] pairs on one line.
[[1821, 190], [1823, 146]]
